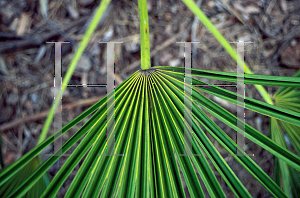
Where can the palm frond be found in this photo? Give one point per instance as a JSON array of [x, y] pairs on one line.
[[284, 175], [149, 142], [37, 189]]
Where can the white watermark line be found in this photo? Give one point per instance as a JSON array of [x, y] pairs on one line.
[[241, 41], [110, 41], [84, 85], [57, 119], [188, 42], [110, 88]]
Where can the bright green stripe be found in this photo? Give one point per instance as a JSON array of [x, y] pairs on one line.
[[206, 22], [283, 90], [184, 162], [17, 165], [293, 134], [258, 138], [283, 169], [86, 169], [205, 171], [108, 163], [232, 77], [102, 7], [16, 179], [218, 161], [139, 183], [84, 172], [111, 182], [148, 172], [255, 135], [230, 147], [252, 104], [151, 176], [74, 159], [51, 160], [127, 178], [245, 161], [162, 182], [163, 146], [72, 162], [65, 147], [202, 165]]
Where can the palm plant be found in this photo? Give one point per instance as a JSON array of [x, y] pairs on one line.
[[149, 134]]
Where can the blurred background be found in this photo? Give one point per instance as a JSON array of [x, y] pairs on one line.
[[27, 61]]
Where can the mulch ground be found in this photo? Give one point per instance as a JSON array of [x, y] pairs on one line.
[[27, 61]]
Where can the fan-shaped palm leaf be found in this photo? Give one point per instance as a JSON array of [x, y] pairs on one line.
[[288, 98], [149, 131]]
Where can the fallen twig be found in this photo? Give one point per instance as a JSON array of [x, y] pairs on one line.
[[35, 40], [43, 114]]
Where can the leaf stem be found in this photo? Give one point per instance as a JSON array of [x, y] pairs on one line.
[[144, 32], [101, 9], [206, 22]]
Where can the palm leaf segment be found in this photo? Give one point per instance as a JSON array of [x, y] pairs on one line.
[[288, 98], [149, 131]]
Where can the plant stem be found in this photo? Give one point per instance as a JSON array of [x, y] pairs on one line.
[[144, 32], [206, 22]]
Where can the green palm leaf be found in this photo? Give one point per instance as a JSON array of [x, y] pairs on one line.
[[149, 131], [288, 98], [150, 158], [37, 189]]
